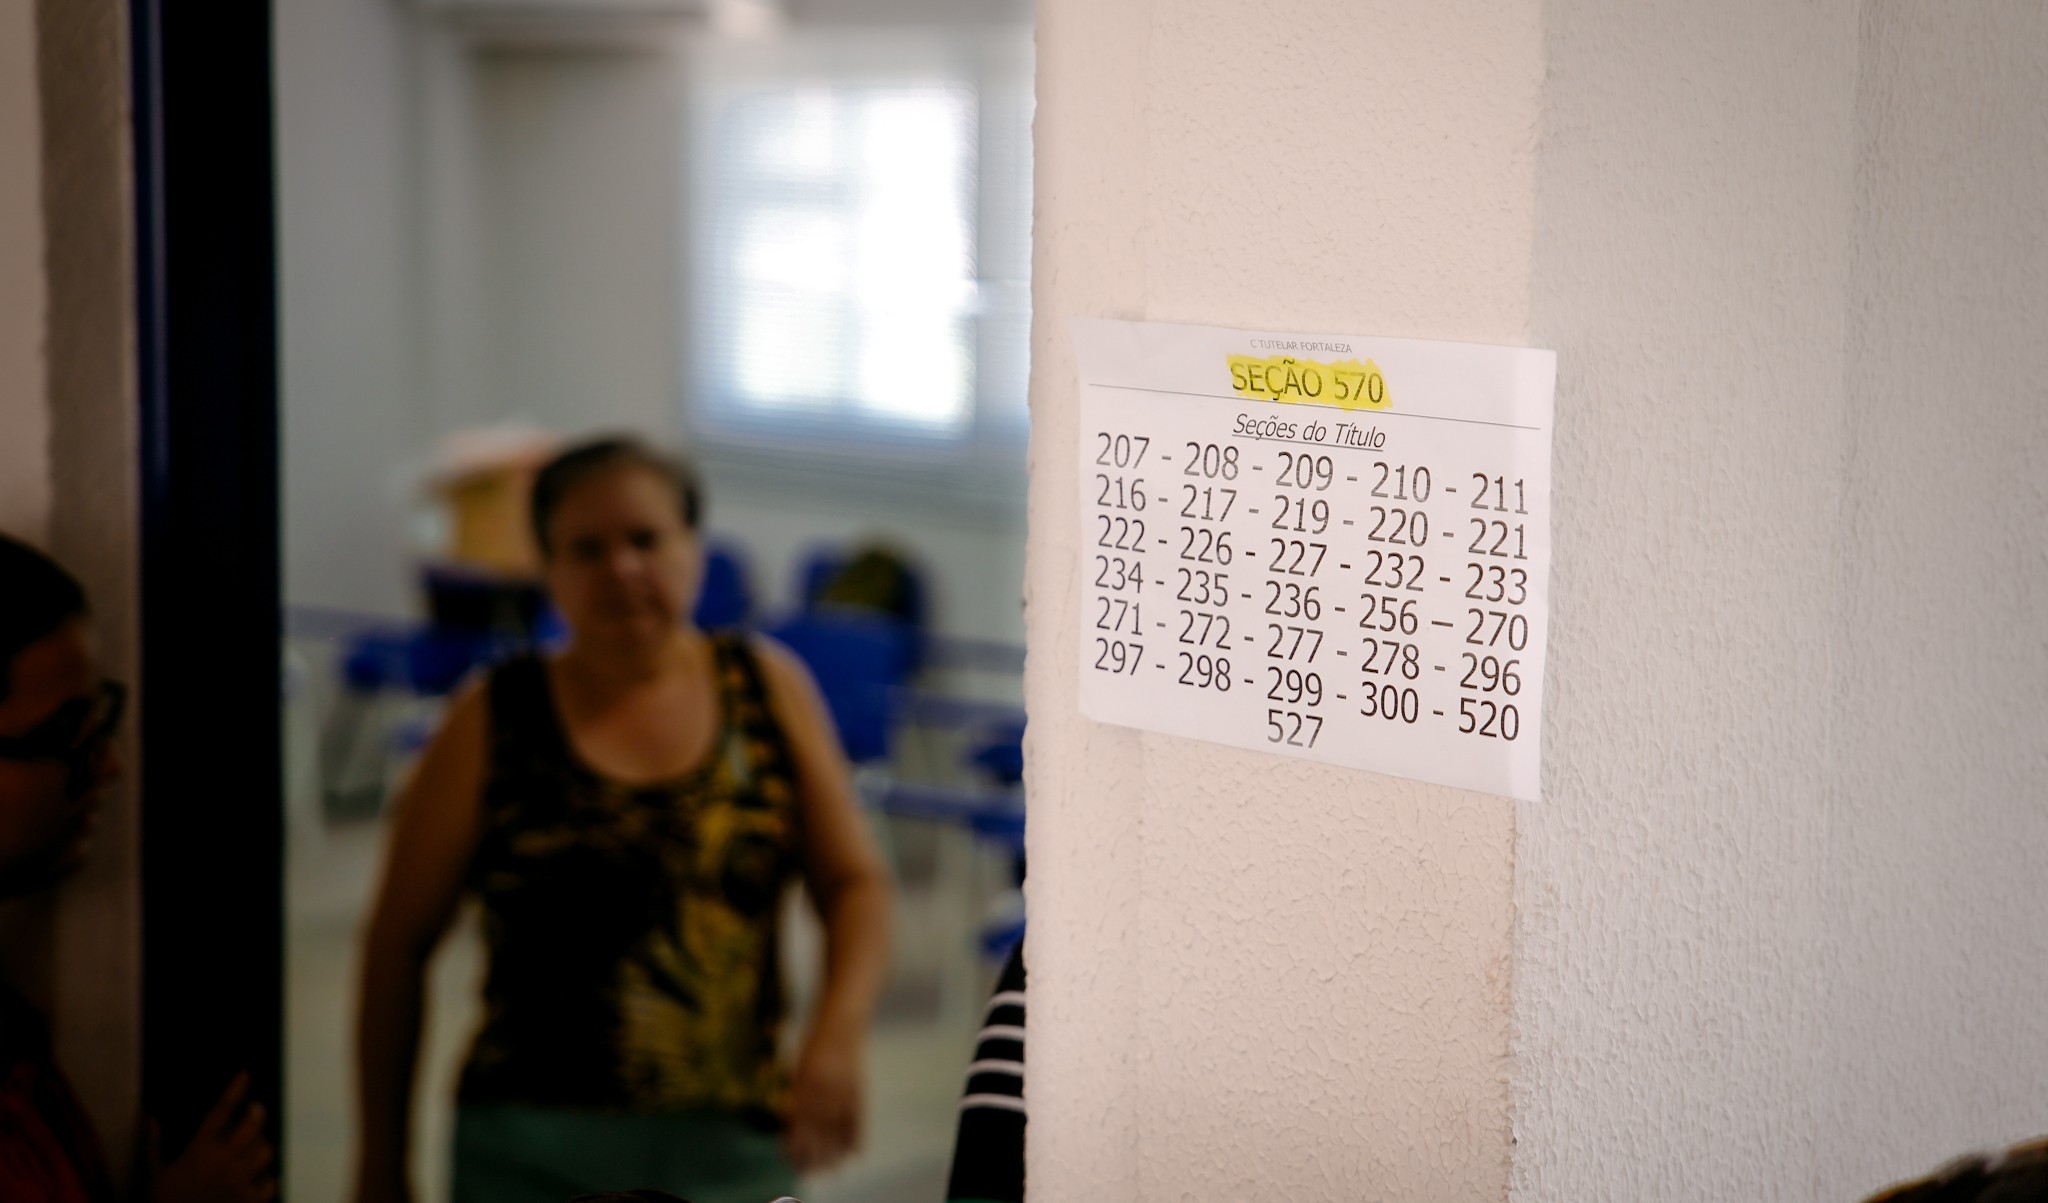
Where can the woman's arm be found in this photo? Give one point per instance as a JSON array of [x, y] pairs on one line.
[[850, 887], [433, 834]]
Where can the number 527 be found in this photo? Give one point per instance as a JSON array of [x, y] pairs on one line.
[[1293, 728]]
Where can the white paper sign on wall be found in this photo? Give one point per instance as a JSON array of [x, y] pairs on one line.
[[1328, 546]]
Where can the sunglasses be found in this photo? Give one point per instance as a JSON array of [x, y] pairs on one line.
[[76, 734]]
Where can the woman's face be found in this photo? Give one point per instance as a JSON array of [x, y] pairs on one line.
[[621, 566]]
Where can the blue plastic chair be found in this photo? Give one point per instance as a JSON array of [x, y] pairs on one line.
[[428, 661], [727, 598], [1001, 754], [859, 660], [997, 941]]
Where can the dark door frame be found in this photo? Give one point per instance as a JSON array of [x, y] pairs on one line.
[[211, 763]]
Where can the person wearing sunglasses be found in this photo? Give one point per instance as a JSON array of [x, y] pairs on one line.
[[58, 717]]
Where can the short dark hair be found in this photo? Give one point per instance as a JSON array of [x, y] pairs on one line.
[[584, 461], [36, 597]]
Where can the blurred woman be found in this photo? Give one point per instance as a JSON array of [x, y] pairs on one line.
[[629, 812]]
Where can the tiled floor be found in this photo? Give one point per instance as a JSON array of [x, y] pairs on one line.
[[920, 1048]]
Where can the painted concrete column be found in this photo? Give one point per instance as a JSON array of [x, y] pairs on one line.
[[1253, 977], [76, 432], [24, 403]]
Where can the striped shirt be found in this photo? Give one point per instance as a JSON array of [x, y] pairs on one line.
[[988, 1152]]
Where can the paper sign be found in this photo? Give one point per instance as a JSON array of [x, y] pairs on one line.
[[1328, 546]]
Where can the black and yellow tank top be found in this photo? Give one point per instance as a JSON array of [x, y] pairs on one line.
[[631, 930]]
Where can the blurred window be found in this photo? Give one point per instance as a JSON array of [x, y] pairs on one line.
[[861, 247]]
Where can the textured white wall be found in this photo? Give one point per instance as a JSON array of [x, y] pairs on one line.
[[24, 403], [1692, 274], [1780, 918], [1256, 978], [94, 965], [1778, 924], [1937, 918]]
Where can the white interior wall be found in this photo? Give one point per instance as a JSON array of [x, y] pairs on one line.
[[1253, 977], [579, 155], [1692, 274], [353, 421], [455, 308], [1780, 918], [1937, 920]]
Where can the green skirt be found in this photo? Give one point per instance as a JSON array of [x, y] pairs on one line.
[[517, 1154]]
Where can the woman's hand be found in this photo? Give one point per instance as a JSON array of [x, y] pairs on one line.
[[227, 1162], [825, 1117]]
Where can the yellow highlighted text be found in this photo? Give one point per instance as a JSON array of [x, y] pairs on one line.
[[1347, 384]]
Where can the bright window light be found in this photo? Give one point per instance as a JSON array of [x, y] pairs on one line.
[[846, 284], [860, 249]]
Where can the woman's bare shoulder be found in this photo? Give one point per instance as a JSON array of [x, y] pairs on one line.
[[776, 658], [792, 690], [469, 704]]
